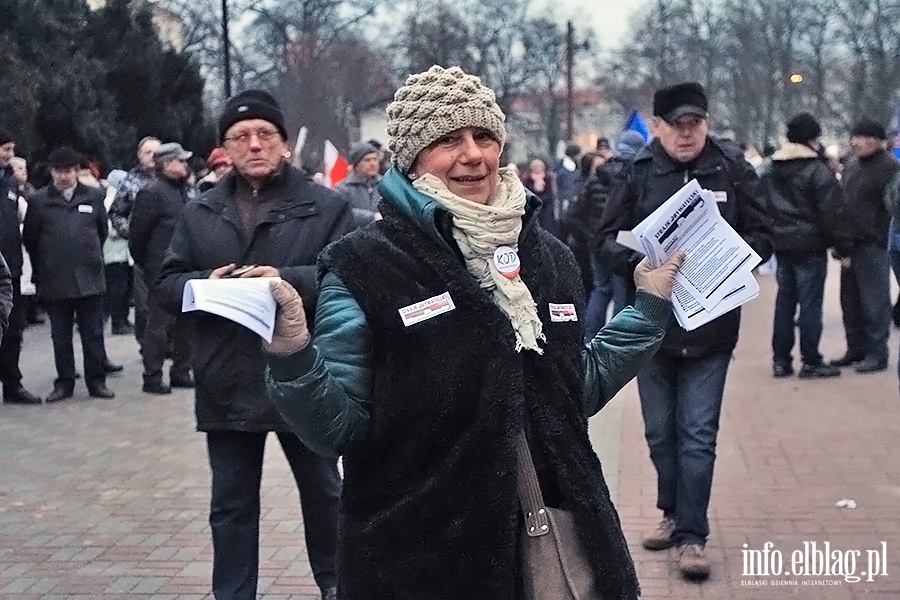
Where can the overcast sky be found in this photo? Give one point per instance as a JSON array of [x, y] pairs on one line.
[[609, 18]]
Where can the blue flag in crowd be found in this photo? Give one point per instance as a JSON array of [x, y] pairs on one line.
[[636, 122]]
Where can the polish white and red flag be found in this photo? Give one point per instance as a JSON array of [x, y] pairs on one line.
[[336, 167]]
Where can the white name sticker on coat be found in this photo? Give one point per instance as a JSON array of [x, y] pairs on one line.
[[562, 312], [11, 195], [721, 196], [85, 208], [426, 309]]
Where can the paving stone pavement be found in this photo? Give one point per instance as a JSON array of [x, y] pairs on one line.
[[109, 498], [788, 450]]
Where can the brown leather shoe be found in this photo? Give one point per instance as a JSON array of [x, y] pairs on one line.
[[661, 537], [693, 562]]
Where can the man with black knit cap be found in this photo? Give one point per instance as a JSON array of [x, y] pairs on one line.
[[865, 262], [804, 200], [681, 388], [267, 219]]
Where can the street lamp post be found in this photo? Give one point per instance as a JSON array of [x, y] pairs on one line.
[[226, 49]]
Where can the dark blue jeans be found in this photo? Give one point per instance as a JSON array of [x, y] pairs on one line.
[[801, 281], [89, 312], [607, 288], [681, 399], [236, 459]]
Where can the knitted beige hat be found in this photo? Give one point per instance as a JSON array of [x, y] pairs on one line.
[[434, 103]]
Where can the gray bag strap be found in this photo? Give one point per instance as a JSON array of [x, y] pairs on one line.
[[537, 522]]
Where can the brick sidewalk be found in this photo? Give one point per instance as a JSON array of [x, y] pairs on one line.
[[108, 499], [788, 450]]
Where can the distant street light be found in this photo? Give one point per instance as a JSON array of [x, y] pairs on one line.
[[796, 78]]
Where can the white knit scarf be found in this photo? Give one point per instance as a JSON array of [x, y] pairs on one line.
[[479, 229]]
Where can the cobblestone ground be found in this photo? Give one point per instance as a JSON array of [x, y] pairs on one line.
[[788, 451], [109, 498]]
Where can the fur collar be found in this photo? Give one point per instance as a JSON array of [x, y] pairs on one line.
[[793, 151]]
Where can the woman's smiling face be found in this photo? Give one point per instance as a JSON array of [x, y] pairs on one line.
[[467, 160]]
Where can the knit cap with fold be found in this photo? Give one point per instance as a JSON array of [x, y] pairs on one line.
[[432, 104]]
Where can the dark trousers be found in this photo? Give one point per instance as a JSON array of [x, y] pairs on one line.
[[89, 314], [235, 459], [11, 345], [607, 287], [141, 308], [681, 399], [801, 281], [866, 302], [118, 288], [161, 328]]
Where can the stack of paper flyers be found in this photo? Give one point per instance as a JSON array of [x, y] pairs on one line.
[[717, 274]]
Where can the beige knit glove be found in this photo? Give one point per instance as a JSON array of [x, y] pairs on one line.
[[658, 281], [291, 333]]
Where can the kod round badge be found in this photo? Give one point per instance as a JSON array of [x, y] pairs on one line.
[[506, 260]]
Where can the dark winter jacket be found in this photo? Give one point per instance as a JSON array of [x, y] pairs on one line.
[[64, 239], [361, 193], [6, 296], [156, 210], [804, 201], [864, 216], [228, 361], [550, 199], [648, 182], [10, 234], [426, 415]]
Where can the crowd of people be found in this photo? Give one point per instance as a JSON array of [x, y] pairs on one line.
[[445, 324]]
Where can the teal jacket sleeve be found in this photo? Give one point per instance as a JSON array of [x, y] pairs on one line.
[[324, 390], [622, 348]]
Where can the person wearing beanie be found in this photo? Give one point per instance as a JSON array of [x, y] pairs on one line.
[[264, 218], [12, 318], [157, 208], [448, 338], [687, 377], [804, 200], [865, 262], [360, 186], [70, 271]]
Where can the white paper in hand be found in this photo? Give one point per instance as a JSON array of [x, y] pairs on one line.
[[247, 302]]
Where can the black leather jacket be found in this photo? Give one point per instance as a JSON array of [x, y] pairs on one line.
[[804, 201]]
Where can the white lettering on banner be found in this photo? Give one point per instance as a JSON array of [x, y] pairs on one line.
[[426, 309]]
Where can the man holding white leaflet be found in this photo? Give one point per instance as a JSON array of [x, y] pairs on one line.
[[681, 388], [264, 219]]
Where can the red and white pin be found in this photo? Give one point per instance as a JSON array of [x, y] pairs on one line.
[[506, 260]]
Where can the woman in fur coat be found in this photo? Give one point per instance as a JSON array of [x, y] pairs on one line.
[[442, 332]]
